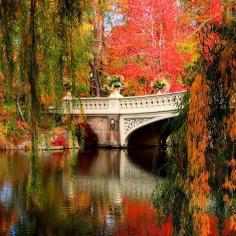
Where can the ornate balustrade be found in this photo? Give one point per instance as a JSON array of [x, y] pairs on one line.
[[123, 105]]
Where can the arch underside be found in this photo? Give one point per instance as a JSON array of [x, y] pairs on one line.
[[132, 124]]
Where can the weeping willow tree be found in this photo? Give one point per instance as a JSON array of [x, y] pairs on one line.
[[37, 56]]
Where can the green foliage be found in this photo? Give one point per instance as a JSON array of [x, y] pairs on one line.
[[143, 80], [11, 127], [115, 81], [158, 85]]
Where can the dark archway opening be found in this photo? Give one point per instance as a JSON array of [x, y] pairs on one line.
[[154, 134], [147, 145]]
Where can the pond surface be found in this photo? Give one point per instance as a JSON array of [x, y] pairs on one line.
[[95, 193], [106, 192]]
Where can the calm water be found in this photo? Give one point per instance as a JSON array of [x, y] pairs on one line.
[[107, 192], [64, 193]]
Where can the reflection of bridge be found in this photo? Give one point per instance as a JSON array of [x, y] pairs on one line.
[[114, 176], [115, 118]]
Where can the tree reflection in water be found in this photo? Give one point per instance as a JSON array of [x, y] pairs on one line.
[[34, 187], [93, 193], [193, 208]]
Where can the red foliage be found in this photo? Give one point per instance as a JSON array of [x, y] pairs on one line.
[[22, 125], [4, 115], [177, 87], [61, 139], [207, 10], [216, 10], [146, 45]]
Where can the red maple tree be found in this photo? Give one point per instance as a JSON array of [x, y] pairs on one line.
[[146, 44]]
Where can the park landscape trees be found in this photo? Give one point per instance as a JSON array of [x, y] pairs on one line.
[[204, 143], [49, 47], [145, 45]]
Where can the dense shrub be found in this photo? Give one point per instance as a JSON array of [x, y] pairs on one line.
[[86, 136]]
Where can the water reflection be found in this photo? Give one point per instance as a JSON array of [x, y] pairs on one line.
[[148, 159], [105, 192], [94, 193]]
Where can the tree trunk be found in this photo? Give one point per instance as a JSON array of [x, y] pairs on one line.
[[98, 32]]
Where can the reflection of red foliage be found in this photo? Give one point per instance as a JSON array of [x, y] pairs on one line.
[[57, 161], [85, 132], [140, 219], [7, 219], [228, 229], [61, 139], [213, 227]]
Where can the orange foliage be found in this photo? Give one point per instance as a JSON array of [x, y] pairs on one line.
[[230, 182], [197, 125], [197, 143], [228, 63], [228, 73], [47, 99]]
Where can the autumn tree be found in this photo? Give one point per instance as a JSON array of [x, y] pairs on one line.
[[147, 42], [203, 142], [38, 54]]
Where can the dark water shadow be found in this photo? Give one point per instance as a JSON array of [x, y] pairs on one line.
[[149, 159]]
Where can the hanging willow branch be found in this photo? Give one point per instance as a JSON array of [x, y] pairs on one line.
[[37, 54]]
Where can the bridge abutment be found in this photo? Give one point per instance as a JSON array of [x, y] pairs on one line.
[[107, 129]]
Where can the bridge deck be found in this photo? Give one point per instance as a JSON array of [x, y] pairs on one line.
[[123, 105]]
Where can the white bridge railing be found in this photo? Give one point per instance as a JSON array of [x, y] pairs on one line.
[[123, 105]]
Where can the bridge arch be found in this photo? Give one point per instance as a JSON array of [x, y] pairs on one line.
[[144, 122]]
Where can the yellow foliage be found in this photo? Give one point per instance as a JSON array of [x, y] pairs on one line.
[[85, 28], [4, 142], [82, 117]]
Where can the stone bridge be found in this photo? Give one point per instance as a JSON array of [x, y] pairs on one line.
[[115, 119]]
